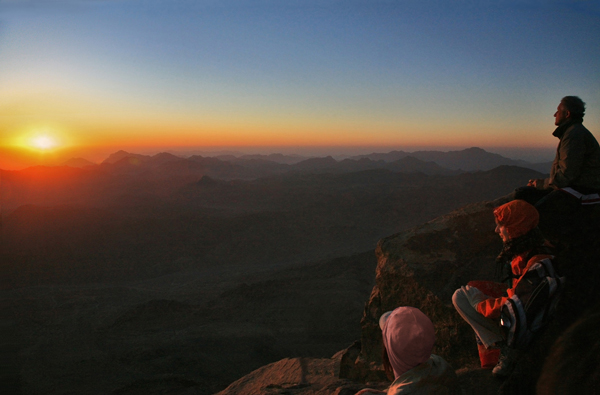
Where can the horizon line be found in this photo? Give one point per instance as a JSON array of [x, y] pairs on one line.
[[528, 154]]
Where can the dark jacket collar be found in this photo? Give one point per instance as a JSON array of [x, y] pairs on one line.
[[559, 131]]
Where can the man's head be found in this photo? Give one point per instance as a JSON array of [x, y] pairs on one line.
[[571, 108]]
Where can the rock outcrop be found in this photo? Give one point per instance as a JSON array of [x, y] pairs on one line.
[[423, 267]]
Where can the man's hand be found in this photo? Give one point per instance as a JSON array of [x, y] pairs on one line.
[[537, 183]]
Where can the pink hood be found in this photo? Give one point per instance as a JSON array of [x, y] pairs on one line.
[[408, 337]]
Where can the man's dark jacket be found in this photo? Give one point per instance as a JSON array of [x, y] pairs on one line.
[[577, 161]]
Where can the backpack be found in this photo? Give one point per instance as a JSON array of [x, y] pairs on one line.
[[533, 304]]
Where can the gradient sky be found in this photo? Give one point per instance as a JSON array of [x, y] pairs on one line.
[[96, 76]]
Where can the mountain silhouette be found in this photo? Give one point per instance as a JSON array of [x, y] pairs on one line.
[[470, 159]]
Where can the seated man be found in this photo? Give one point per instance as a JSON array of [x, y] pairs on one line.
[[524, 246], [575, 173]]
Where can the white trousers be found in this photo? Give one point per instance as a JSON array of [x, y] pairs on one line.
[[487, 329]]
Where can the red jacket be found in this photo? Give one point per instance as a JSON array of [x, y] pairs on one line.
[[491, 307]]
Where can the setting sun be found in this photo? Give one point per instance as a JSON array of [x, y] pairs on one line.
[[43, 142], [42, 138]]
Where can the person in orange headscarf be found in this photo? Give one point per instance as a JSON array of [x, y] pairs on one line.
[[480, 302]]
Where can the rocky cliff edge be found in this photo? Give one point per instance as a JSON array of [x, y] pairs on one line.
[[422, 267]]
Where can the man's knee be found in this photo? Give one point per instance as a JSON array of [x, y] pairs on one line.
[[558, 202], [530, 194]]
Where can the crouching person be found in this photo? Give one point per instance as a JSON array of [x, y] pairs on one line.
[[408, 338], [481, 304]]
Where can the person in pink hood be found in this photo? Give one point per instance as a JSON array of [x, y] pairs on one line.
[[408, 338]]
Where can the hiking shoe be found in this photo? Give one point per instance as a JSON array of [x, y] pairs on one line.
[[506, 362]]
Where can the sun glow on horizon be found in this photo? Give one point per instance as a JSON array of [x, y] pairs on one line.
[[43, 142], [40, 139]]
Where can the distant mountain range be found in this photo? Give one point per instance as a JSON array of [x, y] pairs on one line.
[[470, 159], [78, 162], [154, 177], [255, 166]]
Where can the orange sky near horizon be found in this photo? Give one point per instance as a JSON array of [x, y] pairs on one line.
[[77, 130], [73, 123], [85, 79], [57, 141]]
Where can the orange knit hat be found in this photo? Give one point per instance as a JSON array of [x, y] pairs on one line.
[[518, 217]]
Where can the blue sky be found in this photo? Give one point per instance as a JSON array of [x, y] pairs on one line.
[[392, 74]]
